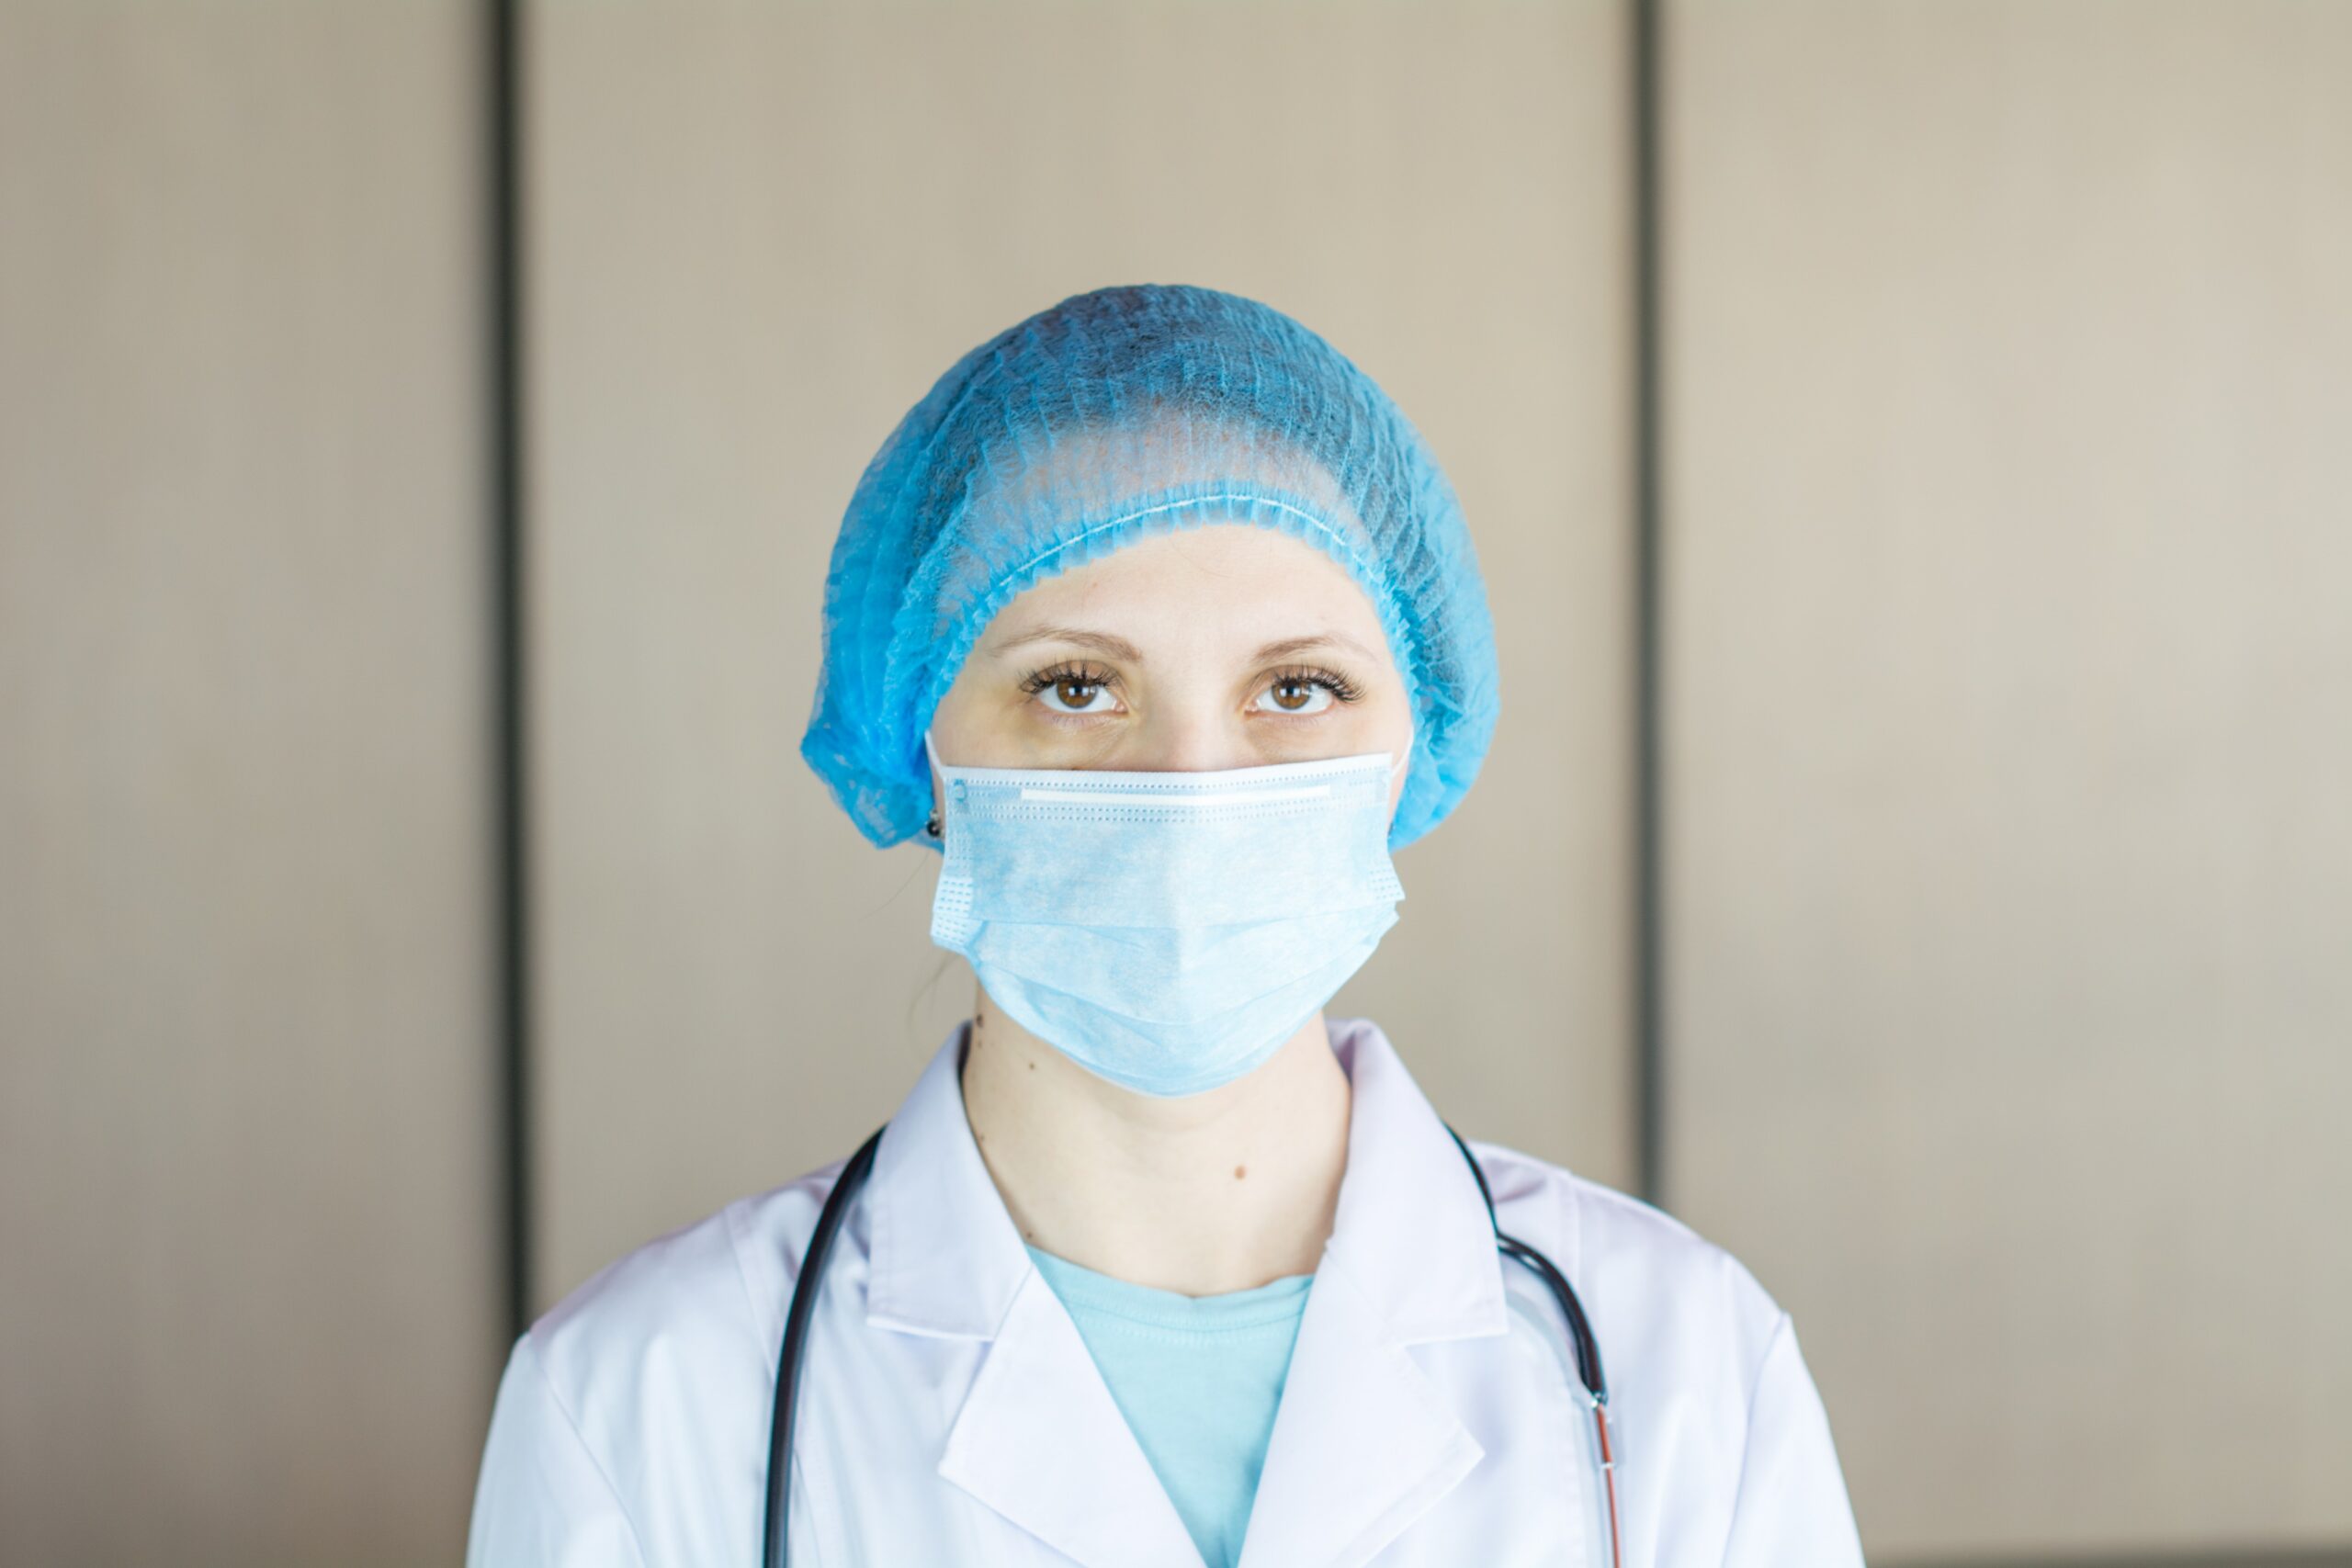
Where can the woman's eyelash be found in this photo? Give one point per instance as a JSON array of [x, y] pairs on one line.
[[1340, 686], [1075, 674], [1342, 689]]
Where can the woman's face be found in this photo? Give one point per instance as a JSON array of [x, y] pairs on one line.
[[1229, 646]]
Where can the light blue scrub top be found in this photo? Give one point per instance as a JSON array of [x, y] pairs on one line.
[[1198, 1379]]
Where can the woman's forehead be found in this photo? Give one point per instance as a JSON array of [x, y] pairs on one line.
[[1220, 584]]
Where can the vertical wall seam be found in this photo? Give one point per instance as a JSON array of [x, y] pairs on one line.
[[510, 832], [1648, 937]]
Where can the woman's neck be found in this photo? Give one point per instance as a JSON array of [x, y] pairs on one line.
[[1205, 1194]]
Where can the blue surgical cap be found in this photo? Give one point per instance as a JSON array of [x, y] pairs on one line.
[[1112, 417]]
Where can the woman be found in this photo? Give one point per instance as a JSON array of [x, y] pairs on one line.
[[1159, 620]]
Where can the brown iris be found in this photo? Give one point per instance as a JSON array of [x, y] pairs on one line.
[[1293, 694]]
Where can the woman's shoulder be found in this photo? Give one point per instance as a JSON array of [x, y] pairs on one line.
[[675, 1341], [1704, 1371], [705, 1299], [1635, 1261]]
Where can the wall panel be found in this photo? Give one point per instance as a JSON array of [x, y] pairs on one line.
[[2010, 365], [247, 1199]]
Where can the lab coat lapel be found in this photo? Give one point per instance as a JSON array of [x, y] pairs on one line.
[[1364, 1442], [1040, 1440], [1037, 1438]]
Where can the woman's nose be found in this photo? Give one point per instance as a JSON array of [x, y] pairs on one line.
[[1190, 741]]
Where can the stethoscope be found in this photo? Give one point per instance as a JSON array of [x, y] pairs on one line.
[[852, 1176]]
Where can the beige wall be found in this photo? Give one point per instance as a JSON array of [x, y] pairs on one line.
[[765, 232], [2011, 748], [247, 1310]]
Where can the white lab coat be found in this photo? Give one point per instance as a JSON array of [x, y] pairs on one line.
[[951, 1415]]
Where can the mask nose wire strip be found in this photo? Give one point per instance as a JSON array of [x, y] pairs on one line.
[[1174, 801]]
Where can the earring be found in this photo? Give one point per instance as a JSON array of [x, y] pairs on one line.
[[931, 826]]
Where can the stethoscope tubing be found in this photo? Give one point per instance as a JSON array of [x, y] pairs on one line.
[[1587, 1346], [775, 1544], [775, 1551]]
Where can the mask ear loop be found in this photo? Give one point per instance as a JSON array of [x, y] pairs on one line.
[[931, 826], [1401, 763]]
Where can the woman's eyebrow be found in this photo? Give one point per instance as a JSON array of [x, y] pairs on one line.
[[1101, 642], [1292, 647], [1120, 648]]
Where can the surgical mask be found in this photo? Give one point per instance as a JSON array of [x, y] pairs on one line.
[[1167, 932]]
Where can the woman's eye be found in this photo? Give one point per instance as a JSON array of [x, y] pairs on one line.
[[1077, 697], [1295, 695]]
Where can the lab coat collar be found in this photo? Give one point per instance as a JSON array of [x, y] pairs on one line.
[[1410, 1229], [944, 1257], [1364, 1441]]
